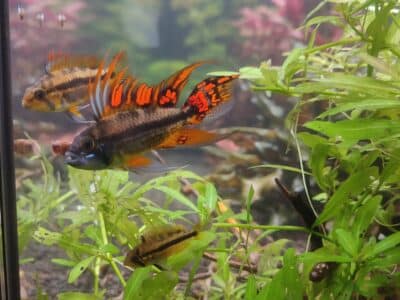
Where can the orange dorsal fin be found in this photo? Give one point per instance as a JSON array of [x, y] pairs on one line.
[[166, 93], [210, 96], [110, 91], [189, 137], [58, 61]]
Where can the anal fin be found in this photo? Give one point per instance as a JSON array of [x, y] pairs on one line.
[[137, 161], [190, 137]]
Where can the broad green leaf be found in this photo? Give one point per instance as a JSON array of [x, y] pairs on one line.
[[134, 283], [347, 241], [367, 104], [365, 214], [79, 269], [352, 131], [158, 286], [351, 187], [286, 283]]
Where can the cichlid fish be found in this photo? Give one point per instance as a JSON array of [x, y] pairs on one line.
[[133, 118], [64, 87], [157, 245]]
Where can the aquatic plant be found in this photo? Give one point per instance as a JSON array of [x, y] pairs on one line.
[[344, 128], [350, 150]]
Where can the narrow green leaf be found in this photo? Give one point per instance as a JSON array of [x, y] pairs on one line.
[[251, 288], [177, 196], [63, 262], [352, 186], [79, 269], [389, 242], [78, 296]]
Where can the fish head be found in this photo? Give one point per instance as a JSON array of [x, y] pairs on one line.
[[86, 152], [38, 98]]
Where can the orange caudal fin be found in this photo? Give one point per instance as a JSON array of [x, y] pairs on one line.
[[210, 97], [166, 93], [190, 137]]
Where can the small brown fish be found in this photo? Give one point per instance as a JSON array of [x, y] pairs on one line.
[[133, 119], [157, 245], [64, 87], [26, 147]]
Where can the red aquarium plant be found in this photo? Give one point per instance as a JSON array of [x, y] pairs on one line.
[[267, 31]]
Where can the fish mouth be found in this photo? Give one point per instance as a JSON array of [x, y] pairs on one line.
[[72, 159]]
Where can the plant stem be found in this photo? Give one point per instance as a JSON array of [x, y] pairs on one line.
[[262, 227], [96, 275], [108, 256]]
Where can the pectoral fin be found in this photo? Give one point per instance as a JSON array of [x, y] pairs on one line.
[[74, 113]]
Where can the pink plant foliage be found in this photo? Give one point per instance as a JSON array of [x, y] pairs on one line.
[[267, 31], [32, 38]]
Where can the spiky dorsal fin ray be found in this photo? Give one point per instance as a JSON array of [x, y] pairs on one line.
[[166, 93], [111, 94], [210, 96], [58, 61], [106, 90]]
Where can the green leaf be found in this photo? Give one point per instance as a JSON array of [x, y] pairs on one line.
[[223, 73], [352, 131], [347, 241], [351, 187], [286, 283], [251, 73], [364, 104], [158, 286], [251, 288], [365, 214], [291, 65], [319, 156], [79, 269], [78, 296], [387, 243], [134, 283], [177, 196], [63, 262]]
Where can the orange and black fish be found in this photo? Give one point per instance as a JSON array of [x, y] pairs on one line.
[[64, 87], [132, 118], [158, 244]]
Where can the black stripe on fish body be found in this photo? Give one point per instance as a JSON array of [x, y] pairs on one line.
[[152, 253]]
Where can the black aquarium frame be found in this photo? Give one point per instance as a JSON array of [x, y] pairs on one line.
[[9, 266]]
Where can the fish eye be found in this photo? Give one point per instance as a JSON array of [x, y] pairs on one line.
[[39, 94], [88, 144]]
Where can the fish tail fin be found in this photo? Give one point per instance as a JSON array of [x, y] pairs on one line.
[[210, 98]]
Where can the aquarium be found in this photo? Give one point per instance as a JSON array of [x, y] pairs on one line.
[[199, 149]]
